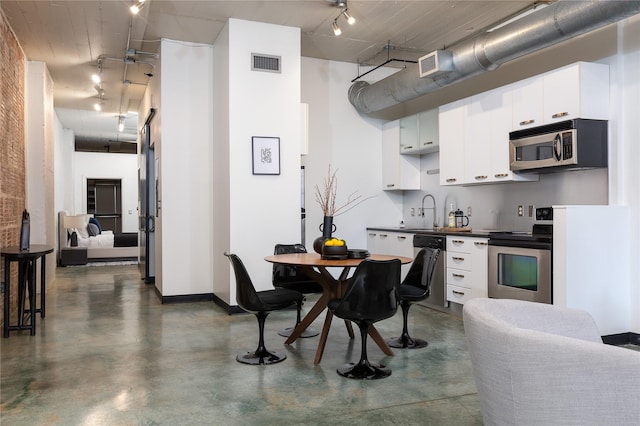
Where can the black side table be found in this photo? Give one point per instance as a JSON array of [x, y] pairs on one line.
[[73, 256], [26, 260]]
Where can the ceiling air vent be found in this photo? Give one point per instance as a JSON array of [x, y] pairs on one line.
[[268, 63], [435, 63]]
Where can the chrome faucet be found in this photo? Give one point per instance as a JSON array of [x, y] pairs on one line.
[[434, 222]]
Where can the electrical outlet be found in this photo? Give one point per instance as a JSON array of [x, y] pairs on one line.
[[420, 212], [520, 210], [413, 211], [469, 211], [530, 210]]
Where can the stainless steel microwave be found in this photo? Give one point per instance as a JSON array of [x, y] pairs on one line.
[[566, 145]]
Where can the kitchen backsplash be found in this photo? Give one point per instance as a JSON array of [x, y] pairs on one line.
[[496, 206]]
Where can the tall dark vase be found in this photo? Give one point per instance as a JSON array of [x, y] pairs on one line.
[[327, 228]]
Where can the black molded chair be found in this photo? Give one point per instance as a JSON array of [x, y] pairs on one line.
[[260, 303], [371, 296], [415, 287], [285, 276]]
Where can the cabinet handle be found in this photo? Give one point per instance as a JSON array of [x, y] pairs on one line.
[[428, 143], [525, 122], [457, 241], [461, 293], [480, 177], [383, 235], [408, 147], [501, 175], [391, 185], [372, 235], [401, 237], [457, 258], [480, 243], [458, 275], [452, 180], [560, 114]]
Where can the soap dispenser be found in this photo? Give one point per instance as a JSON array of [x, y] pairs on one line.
[[451, 220]]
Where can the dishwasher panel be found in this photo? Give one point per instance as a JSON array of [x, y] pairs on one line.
[[437, 298]]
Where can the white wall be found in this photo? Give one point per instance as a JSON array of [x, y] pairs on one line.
[[352, 144], [39, 158], [222, 285], [63, 170], [97, 165], [628, 154], [184, 148], [263, 209]]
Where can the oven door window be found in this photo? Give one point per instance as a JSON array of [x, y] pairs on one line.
[[518, 271]]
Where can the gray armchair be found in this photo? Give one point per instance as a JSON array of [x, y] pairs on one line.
[[539, 364]]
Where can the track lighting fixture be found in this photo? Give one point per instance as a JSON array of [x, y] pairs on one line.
[[350, 19], [135, 8], [342, 4], [336, 29], [97, 77]]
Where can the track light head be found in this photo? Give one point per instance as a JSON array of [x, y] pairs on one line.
[[350, 19], [136, 7], [336, 29]]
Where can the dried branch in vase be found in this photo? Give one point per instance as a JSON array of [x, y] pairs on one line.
[[326, 196]]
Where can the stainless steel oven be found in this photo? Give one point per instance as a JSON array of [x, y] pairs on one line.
[[520, 265]]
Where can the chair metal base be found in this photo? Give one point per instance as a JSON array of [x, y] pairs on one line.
[[309, 332], [364, 370], [261, 358], [406, 342]]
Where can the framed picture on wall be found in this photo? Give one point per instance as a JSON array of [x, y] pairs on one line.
[[266, 155]]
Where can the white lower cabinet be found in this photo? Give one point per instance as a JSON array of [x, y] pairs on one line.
[[391, 243], [467, 268]]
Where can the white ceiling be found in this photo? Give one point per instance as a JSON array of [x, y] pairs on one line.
[[72, 36]]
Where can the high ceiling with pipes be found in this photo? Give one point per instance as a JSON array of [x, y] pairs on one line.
[[74, 37]]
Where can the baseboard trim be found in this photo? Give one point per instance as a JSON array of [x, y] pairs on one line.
[[231, 310], [622, 339], [186, 298]]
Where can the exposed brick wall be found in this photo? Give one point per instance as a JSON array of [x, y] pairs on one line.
[[12, 145]]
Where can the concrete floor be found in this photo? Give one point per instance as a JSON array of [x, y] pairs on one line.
[[109, 353]]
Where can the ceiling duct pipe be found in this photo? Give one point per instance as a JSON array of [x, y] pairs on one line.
[[556, 23]]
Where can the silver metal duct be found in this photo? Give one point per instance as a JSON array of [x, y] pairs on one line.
[[556, 23]]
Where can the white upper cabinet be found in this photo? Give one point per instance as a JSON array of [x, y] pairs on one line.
[[474, 132], [474, 139], [487, 139], [452, 133], [579, 90], [409, 134], [399, 172], [428, 136], [527, 100], [419, 133]]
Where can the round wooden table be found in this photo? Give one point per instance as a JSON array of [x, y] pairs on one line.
[[313, 266]]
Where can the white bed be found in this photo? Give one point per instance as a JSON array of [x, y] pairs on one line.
[[103, 247]]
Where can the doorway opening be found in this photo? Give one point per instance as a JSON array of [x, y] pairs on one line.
[[104, 201]]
